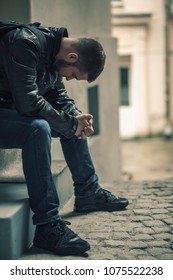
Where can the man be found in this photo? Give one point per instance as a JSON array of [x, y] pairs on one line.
[[34, 107]]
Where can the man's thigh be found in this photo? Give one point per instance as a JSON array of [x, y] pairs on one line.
[[15, 128]]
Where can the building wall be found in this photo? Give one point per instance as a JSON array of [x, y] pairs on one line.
[[80, 16], [18, 10], [141, 36]]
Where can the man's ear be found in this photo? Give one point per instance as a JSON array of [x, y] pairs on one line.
[[72, 57]]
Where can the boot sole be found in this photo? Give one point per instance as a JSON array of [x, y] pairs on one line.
[[63, 251], [94, 209]]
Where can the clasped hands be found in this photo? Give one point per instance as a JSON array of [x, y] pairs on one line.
[[85, 128]]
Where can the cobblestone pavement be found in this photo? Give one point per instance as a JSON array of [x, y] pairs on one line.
[[142, 232]]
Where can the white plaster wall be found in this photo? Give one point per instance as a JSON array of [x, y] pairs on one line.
[[145, 44]]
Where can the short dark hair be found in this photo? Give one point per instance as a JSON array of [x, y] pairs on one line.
[[91, 57]]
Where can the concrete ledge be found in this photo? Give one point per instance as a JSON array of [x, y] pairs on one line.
[[15, 220], [9, 157], [16, 226], [14, 173]]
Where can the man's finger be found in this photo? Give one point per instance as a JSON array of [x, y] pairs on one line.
[[91, 121]]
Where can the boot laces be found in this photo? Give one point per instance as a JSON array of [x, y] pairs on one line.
[[60, 227], [108, 195]]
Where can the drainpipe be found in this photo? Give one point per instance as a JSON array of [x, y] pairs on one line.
[[168, 126]]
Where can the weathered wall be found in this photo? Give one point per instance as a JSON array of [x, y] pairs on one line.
[[91, 17], [15, 10]]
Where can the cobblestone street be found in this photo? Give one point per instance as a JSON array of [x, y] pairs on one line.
[[145, 230]]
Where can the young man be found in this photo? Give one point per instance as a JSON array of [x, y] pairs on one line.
[[34, 106]]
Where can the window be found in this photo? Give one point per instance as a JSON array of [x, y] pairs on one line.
[[124, 80], [93, 106], [124, 88]]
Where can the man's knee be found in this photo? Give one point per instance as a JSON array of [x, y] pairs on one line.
[[42, 127]]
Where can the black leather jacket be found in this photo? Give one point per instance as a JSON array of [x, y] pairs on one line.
[[27, 83]]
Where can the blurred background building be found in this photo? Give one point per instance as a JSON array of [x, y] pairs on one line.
[[145, 49]]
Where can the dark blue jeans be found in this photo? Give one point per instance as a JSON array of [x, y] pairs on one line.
[[33, 136]]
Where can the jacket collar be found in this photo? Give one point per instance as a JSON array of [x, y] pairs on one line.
[[55, 37]]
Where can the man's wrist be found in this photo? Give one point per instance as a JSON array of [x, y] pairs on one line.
[[75, 125]]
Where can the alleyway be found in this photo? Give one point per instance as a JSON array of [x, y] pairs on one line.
[[145, 229], [148, 159]]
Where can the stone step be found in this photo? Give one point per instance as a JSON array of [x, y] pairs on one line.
[[16, 226], [14, 173]]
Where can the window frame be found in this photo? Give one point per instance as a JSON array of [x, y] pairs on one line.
[[125, 62]]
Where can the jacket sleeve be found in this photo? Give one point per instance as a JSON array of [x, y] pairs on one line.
[[57, 96], [22, 63]]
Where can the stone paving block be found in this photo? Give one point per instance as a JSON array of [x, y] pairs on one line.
[[146, 230], [136, 244], [148, 205], [121, 229], [158, 243], [99, 235], [165, 193], [159, 211], [142, 211], [164, 205], [93, 228], [121, 235], [162, 217], [153, 223], [120, 218], [125, 255], [163, 236], [162, 229], [134, 225], [104, 252], [169, 221], [114, 243], [140, 218], [165, 256], [142, 237], [138, 252], [159, 251], [147, 257], [144, 199]]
